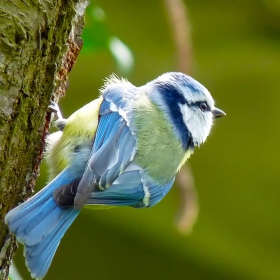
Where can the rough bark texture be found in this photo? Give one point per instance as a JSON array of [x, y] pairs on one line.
[[39, 43]]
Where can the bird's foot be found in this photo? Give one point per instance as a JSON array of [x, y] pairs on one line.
[[60, 122], [54, 108]]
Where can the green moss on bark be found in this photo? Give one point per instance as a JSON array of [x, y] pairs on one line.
[[34, 37]]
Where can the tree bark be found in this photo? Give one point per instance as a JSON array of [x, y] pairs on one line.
[[39, 43]]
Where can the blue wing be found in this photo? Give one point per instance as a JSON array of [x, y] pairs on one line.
[[111, 176]]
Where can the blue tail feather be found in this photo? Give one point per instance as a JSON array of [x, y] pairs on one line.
[[32, 222], [39, 224], [37, 230], [35, 201], [38, 257]]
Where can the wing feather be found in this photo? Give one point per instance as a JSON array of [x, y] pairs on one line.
[[107, 159], [111, 176]]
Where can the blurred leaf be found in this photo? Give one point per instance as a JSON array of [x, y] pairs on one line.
[[98, 38], [95, 34], [122, 55], [14, 274]]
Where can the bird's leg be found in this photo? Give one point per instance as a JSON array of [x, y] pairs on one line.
[[54, 108], [60, 122]]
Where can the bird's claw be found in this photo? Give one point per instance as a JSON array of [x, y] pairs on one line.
[[60, 122], [54, 108]]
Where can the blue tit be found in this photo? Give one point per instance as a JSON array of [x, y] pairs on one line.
[[122, 149]]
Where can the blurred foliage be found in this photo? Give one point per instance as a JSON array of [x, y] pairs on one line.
[[98, 38], [237, 57], [14, 274]]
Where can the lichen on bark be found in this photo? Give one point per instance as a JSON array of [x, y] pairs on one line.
[[39, 43]]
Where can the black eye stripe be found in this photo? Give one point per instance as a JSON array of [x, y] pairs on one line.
[[200, 105]]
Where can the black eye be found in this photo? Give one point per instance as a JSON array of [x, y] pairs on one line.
[[203, 106]]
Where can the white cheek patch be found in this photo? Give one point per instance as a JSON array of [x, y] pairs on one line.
[[208, 122], [198, 123]]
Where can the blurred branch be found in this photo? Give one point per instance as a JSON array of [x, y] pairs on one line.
[[177, 12], [188, 211]]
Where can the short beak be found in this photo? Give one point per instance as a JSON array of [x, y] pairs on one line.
[[217, 113]]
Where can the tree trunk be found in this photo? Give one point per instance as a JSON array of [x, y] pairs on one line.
[[39, 43]]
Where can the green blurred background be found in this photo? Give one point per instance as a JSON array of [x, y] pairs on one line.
[[237, 235]]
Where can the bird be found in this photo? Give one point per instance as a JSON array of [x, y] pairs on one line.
[[122, 149]]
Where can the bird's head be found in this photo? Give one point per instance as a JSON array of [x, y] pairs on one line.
[[187, 104]]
